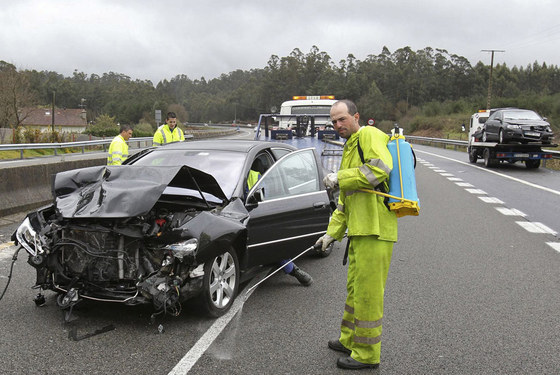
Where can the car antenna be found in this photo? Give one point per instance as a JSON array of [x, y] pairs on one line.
[[197, 187]]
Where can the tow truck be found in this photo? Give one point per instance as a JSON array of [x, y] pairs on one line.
[[493, 153]]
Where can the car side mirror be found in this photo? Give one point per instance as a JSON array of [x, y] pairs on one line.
[[545, 119], [254, 199]]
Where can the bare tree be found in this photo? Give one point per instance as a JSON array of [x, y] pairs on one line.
[[15, 96]]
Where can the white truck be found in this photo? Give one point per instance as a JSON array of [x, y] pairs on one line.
[[531, 153]]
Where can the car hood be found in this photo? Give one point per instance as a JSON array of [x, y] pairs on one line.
[[124, 191]]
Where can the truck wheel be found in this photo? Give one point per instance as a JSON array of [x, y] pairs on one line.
[[473, 157], [532, 164], [488, 161]]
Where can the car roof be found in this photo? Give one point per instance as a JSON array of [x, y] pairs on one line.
[[235, 145]]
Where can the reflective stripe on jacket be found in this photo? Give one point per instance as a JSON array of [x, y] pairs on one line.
[[165, 135], [118, 151], [364, 214]]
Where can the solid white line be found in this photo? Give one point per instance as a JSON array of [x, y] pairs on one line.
[[554, 245], [535, 227], [494, 172], [510, 211], [189, 360]]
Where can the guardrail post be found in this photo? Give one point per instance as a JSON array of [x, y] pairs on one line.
[[21, 153]]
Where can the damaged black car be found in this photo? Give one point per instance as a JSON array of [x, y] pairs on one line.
[[176, 222]]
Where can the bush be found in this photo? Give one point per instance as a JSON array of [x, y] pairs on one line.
[[104, 126], [143, 129]]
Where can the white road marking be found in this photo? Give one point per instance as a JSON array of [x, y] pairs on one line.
[[557, 192], [447, 174], [491, 200], [454, 179], [464, 184], [554, 245], [476, 191], [440, 170], [510, 211], [433, 167], [189, 360], [535, 227]]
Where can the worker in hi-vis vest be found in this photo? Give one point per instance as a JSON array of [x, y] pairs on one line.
[[118, 150], [372, 230], [168, 132]]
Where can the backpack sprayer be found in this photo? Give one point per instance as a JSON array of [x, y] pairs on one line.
[[403, 197]]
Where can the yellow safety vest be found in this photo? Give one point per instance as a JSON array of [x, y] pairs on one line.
[[118, 151], [165, 135]]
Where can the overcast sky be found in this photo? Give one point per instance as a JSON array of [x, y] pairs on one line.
[[158, 40]]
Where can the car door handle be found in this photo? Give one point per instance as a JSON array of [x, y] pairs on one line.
[[319, 205]]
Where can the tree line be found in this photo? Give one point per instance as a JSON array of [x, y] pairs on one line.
[[386, 86]]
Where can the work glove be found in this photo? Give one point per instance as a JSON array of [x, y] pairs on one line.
[[324, 241], [331, 181]]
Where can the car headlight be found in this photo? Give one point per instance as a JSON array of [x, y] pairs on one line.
[[27, 237], [184, 249]]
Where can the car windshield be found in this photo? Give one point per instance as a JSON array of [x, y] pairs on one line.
[[225, 166], [521, 115]]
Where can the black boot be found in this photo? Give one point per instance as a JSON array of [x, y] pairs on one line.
[[303, 277]]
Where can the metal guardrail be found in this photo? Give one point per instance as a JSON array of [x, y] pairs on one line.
[[139, 142]]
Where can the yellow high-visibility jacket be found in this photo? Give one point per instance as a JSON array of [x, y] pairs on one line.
[[118, 151], [165, 135], [362, 213]]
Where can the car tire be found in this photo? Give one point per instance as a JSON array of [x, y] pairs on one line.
[[220, 283], [484, 136], [501, 136]]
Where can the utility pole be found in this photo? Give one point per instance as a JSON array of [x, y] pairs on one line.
[[491, 68], [52, 115]]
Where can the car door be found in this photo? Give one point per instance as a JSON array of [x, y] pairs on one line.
[[288, 207]]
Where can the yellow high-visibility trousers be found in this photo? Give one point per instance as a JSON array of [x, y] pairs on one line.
[[368, 265]]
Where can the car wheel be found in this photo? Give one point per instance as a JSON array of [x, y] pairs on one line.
[[484, 136], [220, 283], [501, 136]]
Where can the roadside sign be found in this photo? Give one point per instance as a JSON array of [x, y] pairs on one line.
[[371, 122]]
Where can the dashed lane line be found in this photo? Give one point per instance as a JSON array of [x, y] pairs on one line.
[[493, 172], [535, 227], [510, 211], [491, 200], [554, 245]]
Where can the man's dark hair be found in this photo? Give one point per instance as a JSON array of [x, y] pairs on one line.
[[352, 109], [125, 128], [171, 115]]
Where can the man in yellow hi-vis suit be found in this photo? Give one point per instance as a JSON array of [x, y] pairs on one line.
[[168, 132], [118, 150], [372, 230]]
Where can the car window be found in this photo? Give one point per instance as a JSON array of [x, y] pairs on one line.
[[296, 173]]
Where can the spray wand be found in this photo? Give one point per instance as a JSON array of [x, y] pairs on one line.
[[250, 290]]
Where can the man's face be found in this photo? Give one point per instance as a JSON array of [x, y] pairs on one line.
[[343, 122], [172, 122], [127, 134]]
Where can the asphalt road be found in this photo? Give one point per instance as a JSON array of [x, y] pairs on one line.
[[470, 291]]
